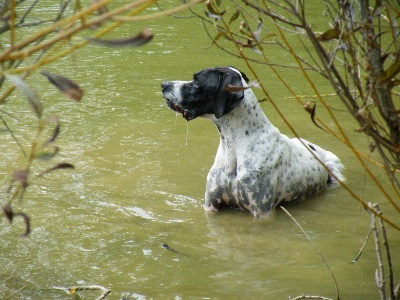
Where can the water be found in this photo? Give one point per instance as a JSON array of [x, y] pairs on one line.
[[139, 184]]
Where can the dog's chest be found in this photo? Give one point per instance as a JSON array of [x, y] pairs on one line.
[[264, 171], [235, 164]]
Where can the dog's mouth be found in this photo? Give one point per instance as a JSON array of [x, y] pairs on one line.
[[175, 107]]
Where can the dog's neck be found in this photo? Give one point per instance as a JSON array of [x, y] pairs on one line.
[[237, 128]]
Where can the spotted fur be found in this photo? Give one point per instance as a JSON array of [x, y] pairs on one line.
[[256, 167]]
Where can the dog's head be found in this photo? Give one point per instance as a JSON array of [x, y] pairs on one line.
[[206, 93]]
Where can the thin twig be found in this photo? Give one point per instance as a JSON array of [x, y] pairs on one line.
[[380, 271], [388, 255], [164, 13], [74, 289], [13, 136], [363, 246], [16, 292], [310, 297]]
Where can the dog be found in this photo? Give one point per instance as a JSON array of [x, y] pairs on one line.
[[256, 167]]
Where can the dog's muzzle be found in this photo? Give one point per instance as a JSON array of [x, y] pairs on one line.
[[167, 89]]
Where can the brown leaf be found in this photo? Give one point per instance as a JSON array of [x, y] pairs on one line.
[[27, 222], [331, 34], [32, 96], [7, 210], [69, 88], [234, 16], [312, 111], [232, 88], [391, 72], [307, 107], [140, 39], [57, 167], [212, 10], [55, 134], [218, 36]]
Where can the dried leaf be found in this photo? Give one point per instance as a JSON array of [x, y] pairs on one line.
[[27, 222], [31, 95], [55, 134], [331, 34], [57, 167], [69, 88], [232, 88], [213, 11], [56, 130], [218, 36], [234, 16], [307, 107], [10, 215], [312, 111], [7, 210], [391, 72], [140, 39]]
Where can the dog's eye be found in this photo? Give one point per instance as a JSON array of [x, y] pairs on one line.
[[189, 88], [192, 86]]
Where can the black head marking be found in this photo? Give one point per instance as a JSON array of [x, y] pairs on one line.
[[241, 73], [206, 93], [225, 101]]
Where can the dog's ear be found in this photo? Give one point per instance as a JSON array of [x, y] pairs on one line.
[[244, 77], [241, 73], [225, 101]]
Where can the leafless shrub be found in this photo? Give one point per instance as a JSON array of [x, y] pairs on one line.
[[357, 52]]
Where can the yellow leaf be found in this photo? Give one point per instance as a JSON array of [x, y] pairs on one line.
[[331, 34], [390, 72]]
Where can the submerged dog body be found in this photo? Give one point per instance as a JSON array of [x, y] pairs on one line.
[[256, 167]]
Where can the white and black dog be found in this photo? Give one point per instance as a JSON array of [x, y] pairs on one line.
[[256, 167]]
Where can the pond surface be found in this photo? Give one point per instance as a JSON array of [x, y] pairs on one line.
[[139, 183]]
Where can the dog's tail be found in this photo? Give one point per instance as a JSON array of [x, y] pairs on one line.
[[336, 168], [333, 163]]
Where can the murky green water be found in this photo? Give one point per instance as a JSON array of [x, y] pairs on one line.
[[139, 184]]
